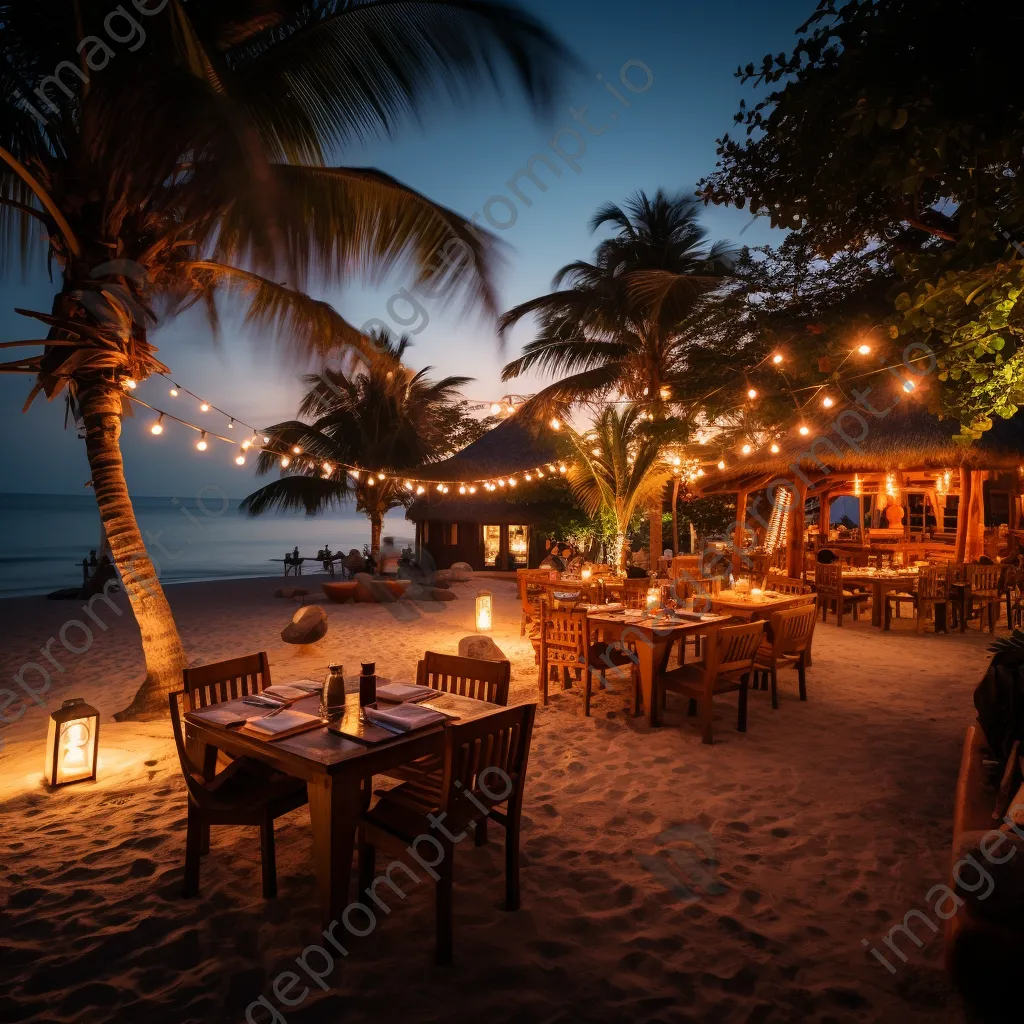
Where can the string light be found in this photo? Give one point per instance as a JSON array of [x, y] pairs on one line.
[[296, 450], [231, 424], [777, 358], [556, 423], [130, 383], [440, 487], [721, 463], [472, 490], [370, 481], [774, 449], [828, 402], [420, 489], [804, 429], [285, 462], [752, 393], [328, 469], [908, 386], [495, 408], [240, 459], [462, 490], [173, 392], [864, 350], [513, 482], [246, 444], [203, 407], [158, 427], [562, 469], [747, 449]]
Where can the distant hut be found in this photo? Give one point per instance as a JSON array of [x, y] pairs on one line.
[[486, 529], [916, 488]]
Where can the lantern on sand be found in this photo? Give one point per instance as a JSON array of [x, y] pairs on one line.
[[72, 743], [484, 611]]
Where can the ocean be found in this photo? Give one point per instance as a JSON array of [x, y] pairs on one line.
[[203, 537]]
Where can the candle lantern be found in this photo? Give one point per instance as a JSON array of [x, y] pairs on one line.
[[653, 598], [72, 743], [484, 609], [585, 574]]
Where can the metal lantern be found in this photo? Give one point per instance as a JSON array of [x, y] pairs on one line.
[[72, 743], [484, 611]]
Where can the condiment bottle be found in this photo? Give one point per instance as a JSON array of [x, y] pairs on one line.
[[333, 701], [368, 684]]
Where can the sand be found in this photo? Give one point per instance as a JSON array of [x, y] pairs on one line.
[[820, 827]]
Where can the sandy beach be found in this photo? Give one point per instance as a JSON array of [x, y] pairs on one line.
[[819, 828]]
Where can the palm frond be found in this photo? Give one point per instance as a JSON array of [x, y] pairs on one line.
[[311, 494]]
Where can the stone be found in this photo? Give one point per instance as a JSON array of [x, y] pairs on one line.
[[419, 592], [444, 595], [288, 592], [482, 648], [462, 567], [308, 625]]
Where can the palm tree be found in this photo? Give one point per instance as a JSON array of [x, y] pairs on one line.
[[619, 324], [383, 422], [620, 467], [195, 166]]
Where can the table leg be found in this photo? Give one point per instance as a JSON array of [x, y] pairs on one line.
[[334, 808], [876, 604]]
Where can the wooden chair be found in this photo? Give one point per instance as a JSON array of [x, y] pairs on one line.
[[727, 665], [788, 644], [786, 585], [234, 797], [529, 596], [563, 645], [635, 594], [1013, 588], [931, 592], [226, 680], [828, 583], [983, 594], [485, 765], [470, 677]]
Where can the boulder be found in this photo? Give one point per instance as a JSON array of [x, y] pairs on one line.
[[462, 567], [308, 625], [481, 647], [340, 592], [444, 595], [419, 592], [290, 592]]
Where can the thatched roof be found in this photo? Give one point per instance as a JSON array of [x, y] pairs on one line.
[[494, 509], [854, 440], [513, 446]]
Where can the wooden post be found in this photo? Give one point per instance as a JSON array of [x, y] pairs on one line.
[[960, 548], [975, 546], [795, 534], [657, 543], [739, 532], [824, 517]]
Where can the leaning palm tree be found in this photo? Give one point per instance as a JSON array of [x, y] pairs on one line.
[[359, 433], [619, 324], [196, 166], [620, 466]]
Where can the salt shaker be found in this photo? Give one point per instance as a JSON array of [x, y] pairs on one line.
[[332, 702]]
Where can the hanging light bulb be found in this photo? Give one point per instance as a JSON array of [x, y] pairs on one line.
[[777, 358], [513, 482], [240, 459], [721, 463], [864, 350], [266, 440], [495, 408], [774, 448], [203, 407], [501, 483], [285, 462], [381, 477], [440, 487], [246, 444], [540, 475], [408, 485], [231, 423], [201, 443], [666, 394], [752, 393], [420, 489], [561, 469], [529, 478], [130, 383], [462, 489], [354, 473], [328, 469], [158, 427], [296, 450], [804, 429], [828, 402], [472, 490], [556, 423], [908, 386], [369, 480], [173, 392], [700, 472], [747, 449]]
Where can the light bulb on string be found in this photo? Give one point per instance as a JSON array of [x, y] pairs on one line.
[[540, 475], [747, 449], [370, 480], [381, 477], [804, 429], [240, 459], [462, 490], [296, 450], [130, 383], [354, 473], [495, 408], [721, 463], [864, 350], [173, 392], [908, 386], [501, 483], [328, 469], [421, 489], [440, 487], [752, 393], [408, 485], [158, 427], [529, 478], [828, 402], [201, 444], [204, 407], [266, 440], [472, 490], [561, 469], [231, 423], [512, 483], [777, 358], [774, 449], [246, 444], [556, 423], [285, 462]]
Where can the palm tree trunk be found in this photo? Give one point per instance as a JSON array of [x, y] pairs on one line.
[[675, 516], [100, 404], [376, 525], [620, 551]]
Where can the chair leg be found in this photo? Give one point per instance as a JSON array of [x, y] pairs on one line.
[[444, 954], [512, 859], [775, 687], [480, 832], [586, 693], [801, 672], [204, 845], [193, 847], [268, 858], [367, 861], [691, 709], [741, 722]]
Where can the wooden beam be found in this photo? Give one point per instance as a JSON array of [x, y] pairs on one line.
[[739, 532], [975, 544], [960, 547], [795, 534], [824, 516], [657, 542]]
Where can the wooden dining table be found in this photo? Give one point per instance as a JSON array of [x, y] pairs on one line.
[[337, 772], [652, 637], [743, 606], [881, 583]]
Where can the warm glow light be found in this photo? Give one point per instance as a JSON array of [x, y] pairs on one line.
[[328, 469], [747, 449], [752, 393], [201, 443], [561, 469], [285, 462], [909, 385], [370, 481], [440, 487], [462, 490], [130, 384], [204, 407], [484, 611], [700, 472], [296, 450], [595, 451], [173, 392], [472, 490], [828, 402], [666, 394], [540, 475], [777, 358], [513, 483], [721, 464], [420, 489], [239, 460], [246, 444], [158, 427], [528, 477], [775, 449], [501, 483], [804, 429], [495, 408], [381, 477], [231, 423], [864, 350], [556, 423]]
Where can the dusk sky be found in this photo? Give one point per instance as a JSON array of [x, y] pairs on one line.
[[461, 158]]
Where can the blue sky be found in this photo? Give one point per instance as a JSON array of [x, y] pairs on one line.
[[461, 158]]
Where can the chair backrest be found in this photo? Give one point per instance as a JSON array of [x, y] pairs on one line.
[[485, 762], [563, 633], [226, 680], [785, 585], [194, 781], [470, 677], [635, 594], [529, 589], [984, 577], [735, 648], [828, 579], [793, 629], [931, 582]]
